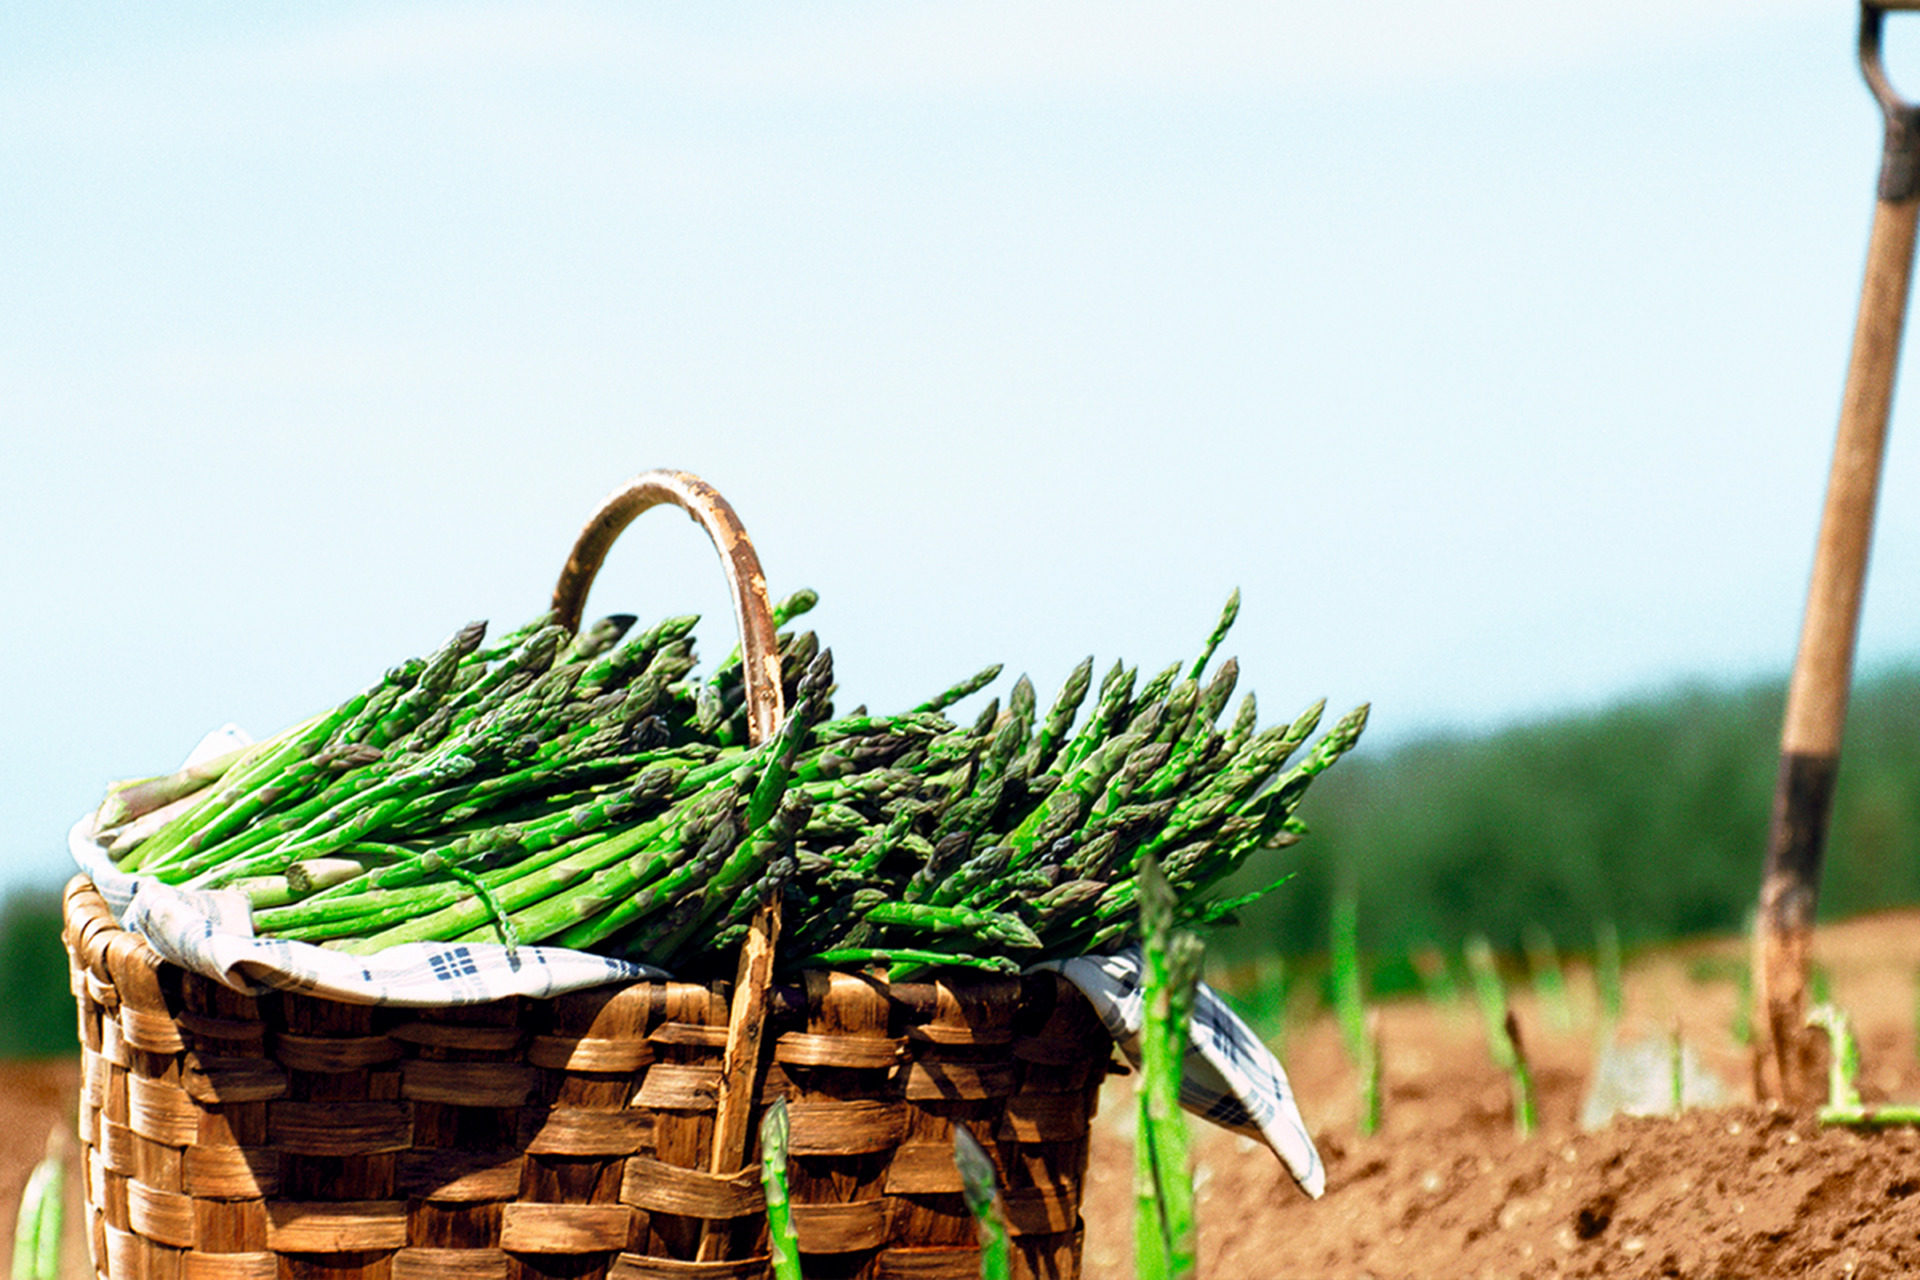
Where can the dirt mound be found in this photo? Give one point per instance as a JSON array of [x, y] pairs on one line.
[[1735, 1192]]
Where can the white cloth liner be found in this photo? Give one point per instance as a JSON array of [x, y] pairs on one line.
[[1231, 1078]]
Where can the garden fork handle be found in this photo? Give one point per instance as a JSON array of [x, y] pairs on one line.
[[1817, 695]]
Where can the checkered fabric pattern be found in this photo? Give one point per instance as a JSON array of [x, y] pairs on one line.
[[1231, 1078], [211, 932]]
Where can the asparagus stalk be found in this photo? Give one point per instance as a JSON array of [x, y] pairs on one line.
[[36, 1232], [129, 800], [979, 1187], [1220, 629], [1163, 1175], [1503, 1032], [588, 791], [1349, 997], [782, 1243]]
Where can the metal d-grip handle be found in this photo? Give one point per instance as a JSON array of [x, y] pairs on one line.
[[1900, 156], [759, 649]]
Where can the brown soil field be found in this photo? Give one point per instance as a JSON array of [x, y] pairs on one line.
[[1445, 1188]]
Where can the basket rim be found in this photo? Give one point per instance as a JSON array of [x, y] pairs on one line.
[[91, 922]]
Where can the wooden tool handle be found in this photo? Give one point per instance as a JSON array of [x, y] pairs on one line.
[[1817, 696], [1817, 699]]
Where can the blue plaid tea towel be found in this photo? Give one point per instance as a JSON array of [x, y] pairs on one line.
[[1230, 1078], [211, 932]]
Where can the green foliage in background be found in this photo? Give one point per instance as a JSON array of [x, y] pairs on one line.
[[1650, 816], [39, 1019]]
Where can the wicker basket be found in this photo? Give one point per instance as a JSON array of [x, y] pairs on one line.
[[606, 1132], [232, 1137]]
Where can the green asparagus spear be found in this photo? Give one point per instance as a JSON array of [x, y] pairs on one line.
[[782, 1243], [979, 1189]]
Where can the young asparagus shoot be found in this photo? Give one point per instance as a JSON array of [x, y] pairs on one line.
[[1843, 1065], [1370, 1091], [1503, 1032], [1261, 998], [1606, 976], [1843, 1069], [1350, 1007], [1525, 1115], [1436, 978], [1276, 984], [782, 1243], [1349, 999], [1163, 1174], [979, 1186], [1916, 1008], [1549, 983], [36, 1231], [1743, 1007], [1677, 1067]]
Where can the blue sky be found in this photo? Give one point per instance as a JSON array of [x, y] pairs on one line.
[[1492, 349]]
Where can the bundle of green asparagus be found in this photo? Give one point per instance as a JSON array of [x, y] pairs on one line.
[[594, 792]]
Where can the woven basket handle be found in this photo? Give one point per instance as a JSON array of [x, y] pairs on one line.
[[760, 665], [760, 651]]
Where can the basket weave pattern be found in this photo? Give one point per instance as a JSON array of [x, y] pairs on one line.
[[233, 1137]]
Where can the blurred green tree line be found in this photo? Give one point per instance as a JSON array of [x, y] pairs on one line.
[[1651, 814], [36, 1005]]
